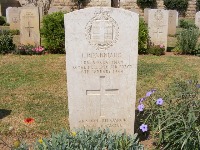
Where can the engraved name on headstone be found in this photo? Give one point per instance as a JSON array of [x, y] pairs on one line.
[[29, 26], [158, 26], [101, 55]]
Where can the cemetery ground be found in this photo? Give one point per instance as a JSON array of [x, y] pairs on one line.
[[35, 87]]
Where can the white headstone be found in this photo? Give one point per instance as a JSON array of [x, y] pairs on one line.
[[197, 19], [7, 15], [14, 16], [146, 14], [177, 18], [30, 26], [101, 54], [158, 26], [172, 22]]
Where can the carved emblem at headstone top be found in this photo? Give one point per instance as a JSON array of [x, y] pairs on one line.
[[158, 15], [102, 31]]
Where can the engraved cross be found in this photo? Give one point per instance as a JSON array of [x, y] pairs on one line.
[[158, 32], [102, 91], [29, 28]]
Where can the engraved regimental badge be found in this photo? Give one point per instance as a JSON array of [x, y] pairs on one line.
[[102, 31], [158, 15]]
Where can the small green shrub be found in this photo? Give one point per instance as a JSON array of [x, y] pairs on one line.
[[89, 140], [156, 50], [143, 37], [146, 3], [6, 42], [2, 20], [53, 32], [173, 118], [186, 24], [179, 5], [187, 40]]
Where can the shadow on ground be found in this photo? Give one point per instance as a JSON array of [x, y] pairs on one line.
[[4, 113]]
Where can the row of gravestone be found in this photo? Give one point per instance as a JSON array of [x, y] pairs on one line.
[[27, 20], [161, 23]]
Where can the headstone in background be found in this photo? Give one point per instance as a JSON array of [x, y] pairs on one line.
[[146, 14], [7, 14], [135, 10], [102, 52], [177, 18], [172, 22], [158, 26], [53, 9], [14, 15], [30, 26], [197, 19]]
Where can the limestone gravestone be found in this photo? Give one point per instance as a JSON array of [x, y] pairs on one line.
[[172, 22], [197, 19], [14, 15], [146, 14], [102, 52], [177, 15], [7, 14], [158, 26], [29, 26]]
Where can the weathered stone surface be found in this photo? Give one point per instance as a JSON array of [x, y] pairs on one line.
[[146, 14], [14, 16], [54, 9], [102, 67], [29, 26], [172, 22], [158, 26], [197, 19], [7, 15]]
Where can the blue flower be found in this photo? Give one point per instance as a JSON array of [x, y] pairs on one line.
[[141, 100], [149, 93], [141, 107], [159, 101], [198, 85], [144, 128]]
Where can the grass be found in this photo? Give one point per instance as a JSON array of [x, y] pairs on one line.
[[35, 86]]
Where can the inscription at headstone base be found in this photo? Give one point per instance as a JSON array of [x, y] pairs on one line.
[[29, 26], [158, 26], [101, 54], [14, 15], [172, 22], [197, 19]]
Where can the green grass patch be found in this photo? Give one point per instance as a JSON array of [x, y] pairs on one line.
[[35, 86]]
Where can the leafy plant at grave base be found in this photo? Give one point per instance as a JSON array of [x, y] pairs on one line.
[[179, 5], [187, 40], [6, 42], [146, 3], [186, 24], [143, 37], [2, 20], [173, 118], [53, 32], [156, 49], [29, 50], [89, 140]]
